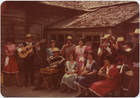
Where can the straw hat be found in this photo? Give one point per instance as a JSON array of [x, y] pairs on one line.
[[69, 37], [55, 50], [105, 36], [28, 35], [120, 39], [128, 49], [135, 33]]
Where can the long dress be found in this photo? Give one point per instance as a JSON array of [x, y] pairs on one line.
[[101, 88], [85, 81], [10, 65], [80, 52], [69, 79]]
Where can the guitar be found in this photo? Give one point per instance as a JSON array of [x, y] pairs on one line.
[[28, 49]]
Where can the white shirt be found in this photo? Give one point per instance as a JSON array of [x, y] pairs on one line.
[[19, 49], [108, 50]]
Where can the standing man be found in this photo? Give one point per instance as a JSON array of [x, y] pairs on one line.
[[126, 72], [118, 56], [29, 60], [133, 89], [67, 48]]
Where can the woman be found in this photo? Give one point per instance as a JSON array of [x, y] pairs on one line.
[[10, 65], [101, 88], [71, 69], [80, 52], [49, 50], [89, 75]]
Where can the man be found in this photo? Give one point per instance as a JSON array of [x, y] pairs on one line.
[[118, 56], [133, 89], [104, 49], [126, 72], [29, 60], [56, 62], [67, 48], [128, 45]]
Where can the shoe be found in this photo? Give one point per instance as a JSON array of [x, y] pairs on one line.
[[69, 92], [9, 85], [26, 85], [32, 84], [86, 96], [18, 85], [63, 91], [79, 95], [2, 85], [36, 88]]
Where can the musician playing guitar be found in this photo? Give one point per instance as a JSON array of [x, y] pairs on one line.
[[53, 62], [29, 60]]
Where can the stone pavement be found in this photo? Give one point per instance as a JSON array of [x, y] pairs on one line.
[[15, 91]]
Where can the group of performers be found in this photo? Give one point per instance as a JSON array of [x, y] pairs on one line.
[[77, 67]]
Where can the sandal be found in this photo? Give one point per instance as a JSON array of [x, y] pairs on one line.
[[69, 92], [79, 95], [18, 85], [62, 91], [9, 85]]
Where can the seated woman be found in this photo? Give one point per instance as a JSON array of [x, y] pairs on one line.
[[89, 75], [71, 69], [101, 88]]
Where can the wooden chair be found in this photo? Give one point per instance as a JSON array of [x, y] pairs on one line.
[[118, 88]]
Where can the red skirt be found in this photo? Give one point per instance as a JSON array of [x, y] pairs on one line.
[[101, 88], [12, 66]]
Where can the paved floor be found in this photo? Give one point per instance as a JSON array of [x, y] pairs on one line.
[[15, 91]]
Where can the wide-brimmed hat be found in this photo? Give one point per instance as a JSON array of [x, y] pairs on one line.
[[135, 33], [55, 50], [69, 37], [105, 36], [120, 39], [28, 35]]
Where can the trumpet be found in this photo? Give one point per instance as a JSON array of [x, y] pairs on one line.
[[109, 39], [107, 44]]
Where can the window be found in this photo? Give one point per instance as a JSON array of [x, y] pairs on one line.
[[94, 40], [61, 39], [53, 37], [88, 38], [95, 45]]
